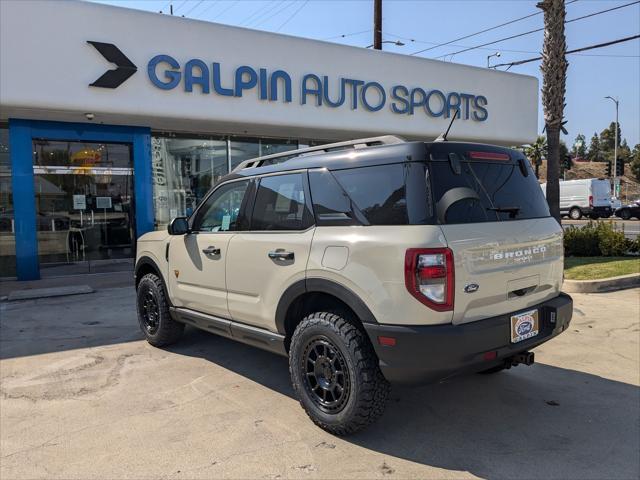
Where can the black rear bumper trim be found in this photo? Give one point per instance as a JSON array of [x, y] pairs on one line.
[[424, 354]]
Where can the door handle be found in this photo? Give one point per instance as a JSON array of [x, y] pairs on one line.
[[281, 255], [211, 251]]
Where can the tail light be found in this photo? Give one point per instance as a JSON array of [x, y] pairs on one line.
[[428, 276], [590, 200]]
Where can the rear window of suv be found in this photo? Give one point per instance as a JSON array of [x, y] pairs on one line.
[[479, 183]]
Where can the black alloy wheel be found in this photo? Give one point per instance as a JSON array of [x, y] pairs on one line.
[[150, 312], [326, 376], [154, 316]]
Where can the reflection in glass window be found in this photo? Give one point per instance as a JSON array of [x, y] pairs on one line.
[[7, 227], [184, 170], [280, 204], [242, 149], [247, 148], [220, 213]]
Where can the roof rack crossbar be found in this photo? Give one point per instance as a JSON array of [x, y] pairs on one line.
[[358, 143]]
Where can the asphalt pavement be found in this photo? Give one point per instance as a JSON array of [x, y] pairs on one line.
[[83, 396]]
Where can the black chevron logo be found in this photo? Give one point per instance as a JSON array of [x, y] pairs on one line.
[[116, 77]]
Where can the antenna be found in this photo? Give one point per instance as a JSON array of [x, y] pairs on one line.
[[443, 136]]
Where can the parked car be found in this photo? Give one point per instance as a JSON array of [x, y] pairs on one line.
[[587, 197], [365, 262], [629, 211]]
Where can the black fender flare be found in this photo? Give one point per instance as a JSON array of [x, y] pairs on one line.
[[146, 261], [321, 285]]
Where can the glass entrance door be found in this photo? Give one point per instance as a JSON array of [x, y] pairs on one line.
[[84, 207]]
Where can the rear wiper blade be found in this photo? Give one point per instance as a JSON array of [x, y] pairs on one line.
[[512, 211]]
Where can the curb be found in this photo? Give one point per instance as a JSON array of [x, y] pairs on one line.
[[605, 285]]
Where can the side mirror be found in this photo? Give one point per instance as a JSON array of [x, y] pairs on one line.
[[178, 226]]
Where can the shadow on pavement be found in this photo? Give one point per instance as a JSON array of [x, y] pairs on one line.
[[528, 422]]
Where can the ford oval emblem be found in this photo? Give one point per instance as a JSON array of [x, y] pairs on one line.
[[471, 287]]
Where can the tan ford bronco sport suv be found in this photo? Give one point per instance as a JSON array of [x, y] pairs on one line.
[[365, 262]]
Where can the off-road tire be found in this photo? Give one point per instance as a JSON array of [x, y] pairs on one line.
[[575, 213], [168, 331], [368, 389]]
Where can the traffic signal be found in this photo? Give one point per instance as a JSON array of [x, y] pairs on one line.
[[608, 169], [619, 168], [567, 163]]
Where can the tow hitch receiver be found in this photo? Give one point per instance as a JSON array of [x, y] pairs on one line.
[[526, 358]]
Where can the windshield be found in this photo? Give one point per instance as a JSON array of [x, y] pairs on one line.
[[479, 183]]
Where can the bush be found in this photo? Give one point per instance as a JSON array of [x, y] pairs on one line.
[[596, 239]]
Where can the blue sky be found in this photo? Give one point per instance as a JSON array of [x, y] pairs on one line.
[[613, 70]]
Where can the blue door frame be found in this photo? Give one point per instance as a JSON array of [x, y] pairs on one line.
[[21, 135]]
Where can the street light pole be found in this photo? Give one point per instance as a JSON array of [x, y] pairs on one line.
[[497, 54], [615, 147]]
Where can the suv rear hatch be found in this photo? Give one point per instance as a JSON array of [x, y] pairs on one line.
[[507, 249]]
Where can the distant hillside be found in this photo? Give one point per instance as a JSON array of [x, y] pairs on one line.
[[630, 188]]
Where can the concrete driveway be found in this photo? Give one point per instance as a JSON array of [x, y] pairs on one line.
[[84, 397]]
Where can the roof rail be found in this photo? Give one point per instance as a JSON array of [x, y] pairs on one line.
[[358, 143]]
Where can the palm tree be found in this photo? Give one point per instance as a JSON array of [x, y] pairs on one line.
[[554, 77], [535, 152]]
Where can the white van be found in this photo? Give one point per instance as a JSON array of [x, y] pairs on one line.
[[589, 197]]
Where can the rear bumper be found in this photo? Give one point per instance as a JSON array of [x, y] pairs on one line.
[[602, 211], [425, 354]]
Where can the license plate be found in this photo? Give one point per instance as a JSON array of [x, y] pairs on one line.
[[524, 325]]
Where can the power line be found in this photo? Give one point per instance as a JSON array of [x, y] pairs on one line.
[[257, 12], [179, 6], [292, 15], [539, 29], [225, 10], [209, 7], [194, 7], [347, 35], [436, 45], [270, 9], [583, 49], [265, 20]]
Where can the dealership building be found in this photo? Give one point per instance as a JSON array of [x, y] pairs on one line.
[[113, 121]]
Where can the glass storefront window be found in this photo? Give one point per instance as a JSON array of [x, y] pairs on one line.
[[84, 205], [7, 229], [184, 169], [242, 149]]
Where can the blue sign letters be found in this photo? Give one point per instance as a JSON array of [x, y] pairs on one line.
[[166, 73]]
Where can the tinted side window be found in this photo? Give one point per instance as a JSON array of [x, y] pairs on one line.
[[331, 205], [280, 204], [222, 209], [379, 192]]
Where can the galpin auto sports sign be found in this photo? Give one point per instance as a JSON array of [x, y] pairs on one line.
[[167, 73]]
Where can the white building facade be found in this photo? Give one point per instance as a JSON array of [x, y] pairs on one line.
[[113, 120]]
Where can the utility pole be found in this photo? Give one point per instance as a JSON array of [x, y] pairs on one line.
[[377, 24]]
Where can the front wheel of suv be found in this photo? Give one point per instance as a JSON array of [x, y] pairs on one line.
[[335, 374], [153, 313]]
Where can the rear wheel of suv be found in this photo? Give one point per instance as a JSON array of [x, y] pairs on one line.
[[575, 213], [335, 374], [625, 214], [153, 313]]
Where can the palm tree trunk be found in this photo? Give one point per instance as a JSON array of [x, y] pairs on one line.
[[554, 76], [553, 171]]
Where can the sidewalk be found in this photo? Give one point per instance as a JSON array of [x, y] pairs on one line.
[[97, 281]]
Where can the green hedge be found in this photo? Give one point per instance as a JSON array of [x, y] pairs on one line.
[[597, 239]]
